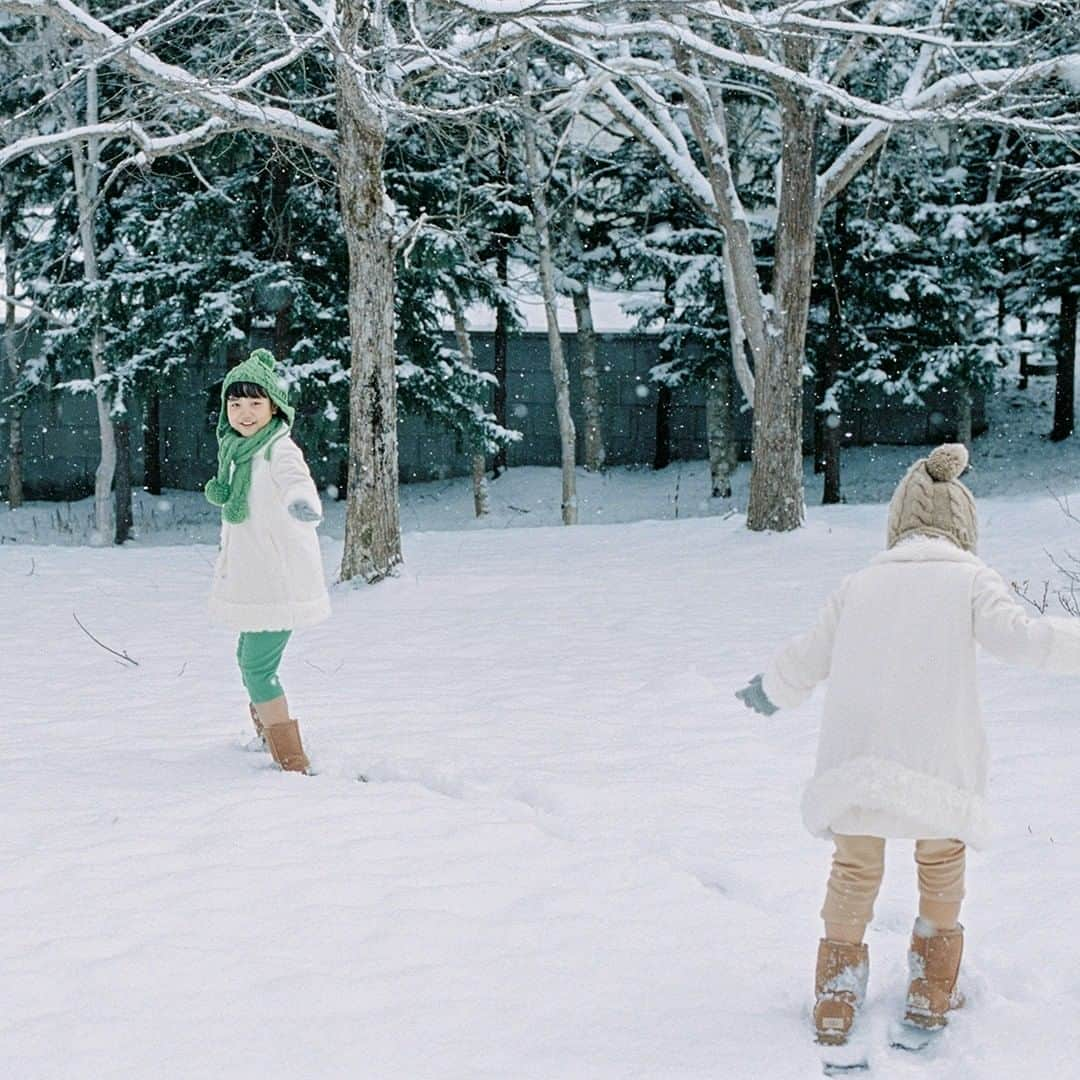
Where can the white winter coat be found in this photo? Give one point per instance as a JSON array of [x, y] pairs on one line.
[[269, 573], [902, 751]]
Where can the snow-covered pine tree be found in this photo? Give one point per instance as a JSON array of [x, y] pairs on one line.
[[667, 248], [987, 69], [1044, 268], [917, 286], [447, 201], [26, 192]]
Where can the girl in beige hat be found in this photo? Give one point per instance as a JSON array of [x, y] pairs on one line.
[[902, 752]]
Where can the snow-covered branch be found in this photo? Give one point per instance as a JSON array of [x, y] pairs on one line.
[[581, 31], [581, 35], [146, 67], [278, 63], [993, 81], [873, 137], [34, 309], [940, 93], [149, 146], [681, 166], [779, 20]]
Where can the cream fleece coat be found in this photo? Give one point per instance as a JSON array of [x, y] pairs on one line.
[[269, 573], [902, 750]]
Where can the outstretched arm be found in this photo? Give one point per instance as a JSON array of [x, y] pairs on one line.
[[1003, 627], [293, 480], [804, 661]]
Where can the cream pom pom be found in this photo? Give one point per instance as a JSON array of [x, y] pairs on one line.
[[947, 462]]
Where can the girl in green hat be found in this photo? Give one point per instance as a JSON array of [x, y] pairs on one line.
[[268, 580]]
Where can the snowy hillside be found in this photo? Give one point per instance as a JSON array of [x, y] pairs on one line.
[[577, 856]]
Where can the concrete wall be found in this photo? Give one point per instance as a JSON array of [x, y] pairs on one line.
[[630, 401], [61, 435]]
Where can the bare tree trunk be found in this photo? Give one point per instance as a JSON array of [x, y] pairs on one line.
[[1025, 348], [502, 328], [86, 185], [963, 413], [834, 357], [662, 451], [720, 393], [282, 179], [831, 438], [481, 499], [776, 486], [501, 343], [776, 332], [820, 386], [591, 404], [479, 461], [1065, 384], [737, 332], [720, 428], [15, 409], [372, 546], [125, 518], [542, 222], [152, 444], [104, 525]]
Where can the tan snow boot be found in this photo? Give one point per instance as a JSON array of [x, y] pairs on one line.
[[934, 964], [260, 731], [285, 746], [839, 989]]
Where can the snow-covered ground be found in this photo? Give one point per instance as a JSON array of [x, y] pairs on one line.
[[577, 857]]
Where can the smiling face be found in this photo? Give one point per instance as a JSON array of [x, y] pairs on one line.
[[249, 415]]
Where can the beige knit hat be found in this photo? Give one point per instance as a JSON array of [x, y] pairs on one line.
[[931, 501]]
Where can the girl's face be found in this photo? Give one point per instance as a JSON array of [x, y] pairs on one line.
[[249, 415]]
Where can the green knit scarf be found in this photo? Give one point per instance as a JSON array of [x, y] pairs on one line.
[[229, 489]]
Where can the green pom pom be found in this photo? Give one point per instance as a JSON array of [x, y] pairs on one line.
[[264, 357], [233, 513], [217, 492]]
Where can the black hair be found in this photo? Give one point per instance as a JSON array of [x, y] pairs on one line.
[[246, 389]]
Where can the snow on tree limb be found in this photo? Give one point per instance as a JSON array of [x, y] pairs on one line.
[[775, 20], [925, 107], [146, 67], [278, 63], [873, 137], [149, 146], [680, 165], [34, 309]]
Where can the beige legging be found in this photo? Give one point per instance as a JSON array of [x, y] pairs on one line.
[[858, 864]]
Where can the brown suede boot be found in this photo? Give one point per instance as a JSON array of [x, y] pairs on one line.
[[934, 964], [260, 731], [285, 746], [839, 989]]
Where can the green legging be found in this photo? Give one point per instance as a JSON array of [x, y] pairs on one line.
[[258, 652]]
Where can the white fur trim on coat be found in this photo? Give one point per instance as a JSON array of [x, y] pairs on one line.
[[887, 799]]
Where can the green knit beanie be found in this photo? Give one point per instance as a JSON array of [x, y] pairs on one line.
[[258, 368]]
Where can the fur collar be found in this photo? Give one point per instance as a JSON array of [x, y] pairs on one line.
[[927, 549]]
